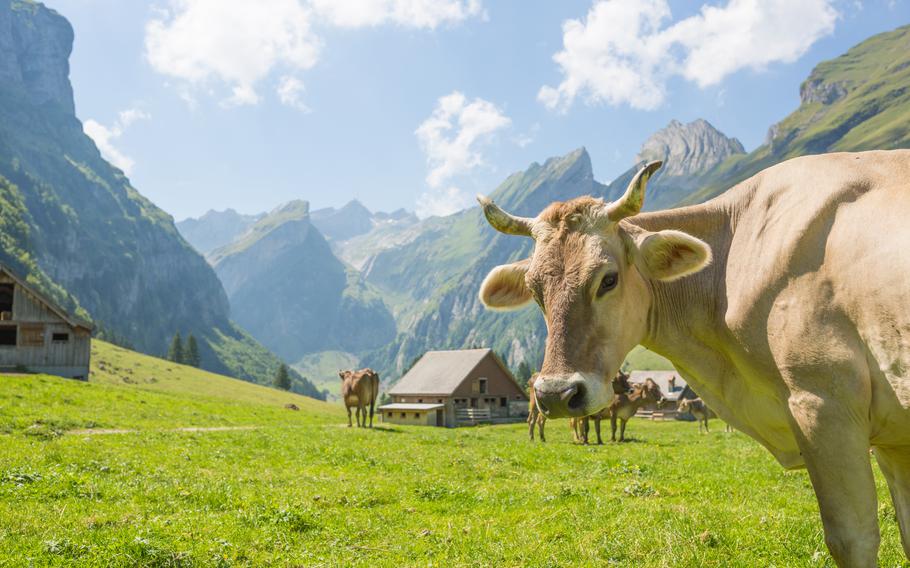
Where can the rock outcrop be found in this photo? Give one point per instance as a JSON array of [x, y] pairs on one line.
[[688, 149]]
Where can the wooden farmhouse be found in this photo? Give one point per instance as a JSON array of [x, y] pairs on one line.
[[453, 388], [36, 336]]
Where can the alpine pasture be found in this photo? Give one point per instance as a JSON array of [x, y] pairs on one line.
[[155, 464]]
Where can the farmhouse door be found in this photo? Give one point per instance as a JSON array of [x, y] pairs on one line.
[[439, 417]]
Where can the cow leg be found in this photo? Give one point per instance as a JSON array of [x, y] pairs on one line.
[[359, 416], [349, 416], [372, 405], [586, 429], [597, 430], [613, 427], [540, 423], [531, 421], [834, 441], [707, 430], [895, 464], [622, 430]]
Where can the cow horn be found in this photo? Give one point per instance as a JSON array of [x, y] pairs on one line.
[[505, 222], [632, 200]]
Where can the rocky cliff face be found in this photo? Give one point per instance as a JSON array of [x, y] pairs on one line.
[[35, 45], [688, 149], [215, 229], [84, 228], [288, 289]]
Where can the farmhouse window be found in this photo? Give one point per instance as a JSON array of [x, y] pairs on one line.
[[32, 335], [8, 335], [404, 415], [482, 384], [439, 401], [503, 401], [6, 298], [420, 400], [60, 337], [416, 415]]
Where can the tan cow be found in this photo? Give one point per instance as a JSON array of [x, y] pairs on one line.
[[697, 408], [535, 416], [360, 389], [798, 332], [581, 426]]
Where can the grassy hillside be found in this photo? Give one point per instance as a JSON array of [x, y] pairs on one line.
[[322, 369], [858, 101], [299, 489]]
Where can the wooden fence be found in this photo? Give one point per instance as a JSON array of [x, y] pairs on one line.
[[472, 415]]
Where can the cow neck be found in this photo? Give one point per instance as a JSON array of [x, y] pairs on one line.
[[688, 313]]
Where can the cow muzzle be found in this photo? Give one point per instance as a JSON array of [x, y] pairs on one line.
[[578, 394]]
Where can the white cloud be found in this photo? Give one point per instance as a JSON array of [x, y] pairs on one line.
[[410, 13], [232, 41], [239, 43], [452, 136], [104, 137], [526, 139], [452, 139], [290, 90], [623, 54]]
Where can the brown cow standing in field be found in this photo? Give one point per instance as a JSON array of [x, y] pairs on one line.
[[783, 302], [581, 426], [625, 405], [535, 416], [360, 389], [698, 409]]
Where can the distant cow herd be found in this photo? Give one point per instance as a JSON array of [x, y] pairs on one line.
[[628, 398]]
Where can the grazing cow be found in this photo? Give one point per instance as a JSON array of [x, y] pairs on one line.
[[698, 409], [535, 416], [581, 426], [625, 405], [797, 333], [360, 389]]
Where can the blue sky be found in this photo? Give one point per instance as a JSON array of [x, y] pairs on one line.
[[210, 104]]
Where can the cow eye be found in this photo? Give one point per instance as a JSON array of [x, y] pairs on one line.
[[608, 283]]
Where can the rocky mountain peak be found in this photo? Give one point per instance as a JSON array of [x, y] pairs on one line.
[[35, 45], [689, 149]]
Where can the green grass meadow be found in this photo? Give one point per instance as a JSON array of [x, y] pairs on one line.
[[299, 488]]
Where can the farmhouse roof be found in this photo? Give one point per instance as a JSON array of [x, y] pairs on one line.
[[441, 372], [411, 406], [72, 320]]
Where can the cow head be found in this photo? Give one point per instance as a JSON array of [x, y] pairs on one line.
[[591, 275]]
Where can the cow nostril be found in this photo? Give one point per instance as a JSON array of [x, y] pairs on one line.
[[578, 398], [569, 392]]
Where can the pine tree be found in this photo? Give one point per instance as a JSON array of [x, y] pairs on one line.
[[282, 378], [191, 353], [175, 351], [523, 374]]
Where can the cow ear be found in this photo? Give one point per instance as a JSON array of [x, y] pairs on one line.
[[670, 255], [504, 287]]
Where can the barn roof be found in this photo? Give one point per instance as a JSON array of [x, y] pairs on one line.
[[72, 320], [441, 372]]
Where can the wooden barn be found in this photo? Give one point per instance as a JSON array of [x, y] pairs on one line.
[[37, 336], [453, 388]]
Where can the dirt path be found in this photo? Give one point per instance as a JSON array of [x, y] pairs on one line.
[[106, 431]]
